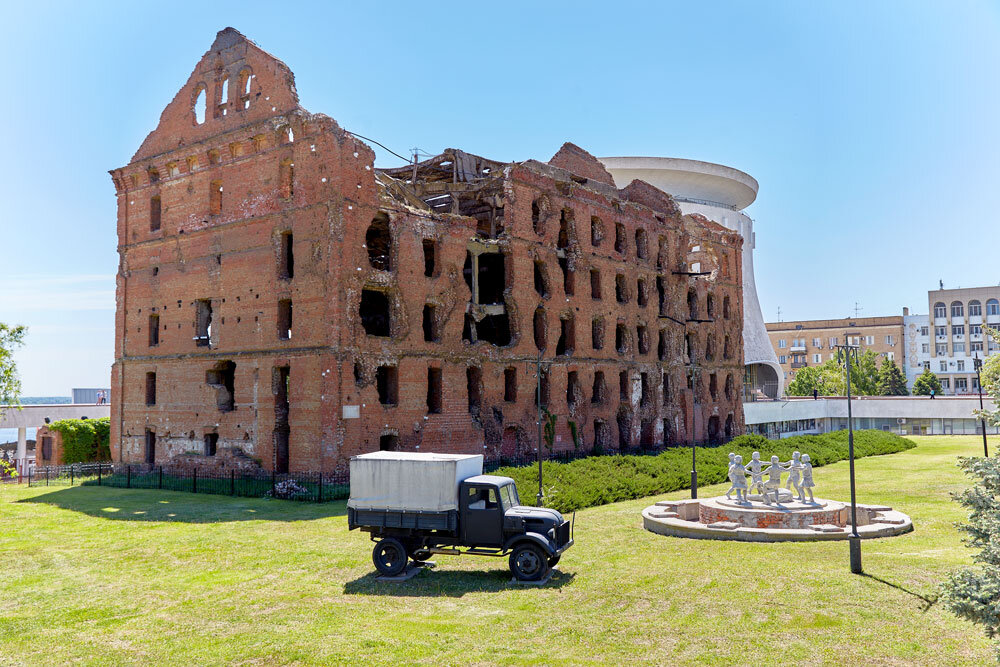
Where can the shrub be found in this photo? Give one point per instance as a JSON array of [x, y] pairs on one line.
[[84, 440], [598, 480]]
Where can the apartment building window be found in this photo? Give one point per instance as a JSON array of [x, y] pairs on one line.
[[891, 356], [975, 309], [890, 341], [869, 340], [992, 307], [961, 384], [958, 348], [833, 341], [945, 383], [958, 330], [923, 331], [782, 359], [782, 344], [927, 365], [817, 358], [941, 349], [957, 309], [818, 343], [960, 365], [940, 310], [993, 346], [941, 331], [975, 329], [943, 366], [976, 346], [925, 348]]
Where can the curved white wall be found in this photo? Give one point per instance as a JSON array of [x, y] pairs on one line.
[[730, 189]]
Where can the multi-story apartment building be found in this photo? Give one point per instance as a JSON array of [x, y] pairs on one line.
[[812, 342], [282, 299]]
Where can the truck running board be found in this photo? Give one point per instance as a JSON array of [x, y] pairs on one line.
[[470, 552]]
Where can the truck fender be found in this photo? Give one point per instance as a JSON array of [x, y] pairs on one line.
[[538, 539]]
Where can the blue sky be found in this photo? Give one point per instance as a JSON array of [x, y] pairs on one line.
[[871, 127]]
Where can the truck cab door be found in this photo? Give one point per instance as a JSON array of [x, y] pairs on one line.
[[482, 515]]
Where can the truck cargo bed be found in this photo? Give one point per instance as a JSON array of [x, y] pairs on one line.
[[446, 520]]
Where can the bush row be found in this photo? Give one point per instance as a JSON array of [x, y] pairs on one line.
[[84, 440], [598, 480]]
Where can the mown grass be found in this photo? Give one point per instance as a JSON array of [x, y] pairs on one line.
[[115, 576]]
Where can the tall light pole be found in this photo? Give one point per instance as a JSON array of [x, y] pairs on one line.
[[977, 363], [538, 396], [846, 352]]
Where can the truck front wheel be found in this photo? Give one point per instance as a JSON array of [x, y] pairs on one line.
[[528, 562], [389, 556]]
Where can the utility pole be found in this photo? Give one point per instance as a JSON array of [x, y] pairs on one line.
[[978, 364], [538, 394], [846, 352]]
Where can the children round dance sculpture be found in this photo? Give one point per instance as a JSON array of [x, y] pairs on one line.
[[759, 509]]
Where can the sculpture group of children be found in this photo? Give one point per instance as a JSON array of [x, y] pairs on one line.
[[799, 476]]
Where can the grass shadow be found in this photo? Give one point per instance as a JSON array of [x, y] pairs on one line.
[[925, 602], [451, 583], [175, 506]]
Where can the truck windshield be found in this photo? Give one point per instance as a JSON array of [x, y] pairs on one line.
[[508, 496]]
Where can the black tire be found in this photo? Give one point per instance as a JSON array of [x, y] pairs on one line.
[[420, 555], [554, 560], [389, 556], [528, 562]]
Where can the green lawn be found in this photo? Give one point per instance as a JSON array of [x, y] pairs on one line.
[[115, 576]]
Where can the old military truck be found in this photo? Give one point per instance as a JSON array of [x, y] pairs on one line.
[[418, 504]]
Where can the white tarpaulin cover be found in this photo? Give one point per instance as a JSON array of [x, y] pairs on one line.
[[409, 480]]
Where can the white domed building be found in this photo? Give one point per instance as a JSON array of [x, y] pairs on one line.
[[720, 194]]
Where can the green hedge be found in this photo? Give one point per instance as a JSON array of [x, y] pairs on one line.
[[84, 440], [598, 480]]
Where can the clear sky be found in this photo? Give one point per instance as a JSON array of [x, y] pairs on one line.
[[872, 128]]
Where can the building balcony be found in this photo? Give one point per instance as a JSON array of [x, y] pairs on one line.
[[797, 348], [799, 364]]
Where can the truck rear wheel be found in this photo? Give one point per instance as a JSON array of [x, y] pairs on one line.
[[389, 556], [528, 562]]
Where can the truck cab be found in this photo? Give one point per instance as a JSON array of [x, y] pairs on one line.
[[492, 515]]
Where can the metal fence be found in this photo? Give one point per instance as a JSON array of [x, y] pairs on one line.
[[304, 486]]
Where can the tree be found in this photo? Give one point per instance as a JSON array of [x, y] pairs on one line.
[[11, 338], [890, 380], [827, 379], [925, 382], [990, 377], [864, 374], [974, 593]]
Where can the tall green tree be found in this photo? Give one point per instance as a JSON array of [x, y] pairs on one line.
[[990, 377], [11, 338], [827, 379], [890, 380], [864, 374], [925, 382]]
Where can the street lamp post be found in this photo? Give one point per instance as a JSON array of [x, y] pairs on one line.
[[978, 364], [538, 394], [847, 351]]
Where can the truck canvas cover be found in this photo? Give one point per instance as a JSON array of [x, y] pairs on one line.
[[414, 482]]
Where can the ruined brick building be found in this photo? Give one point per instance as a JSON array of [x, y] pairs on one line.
[[281, 299]]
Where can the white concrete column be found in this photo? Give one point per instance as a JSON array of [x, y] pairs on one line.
[[20, 458]]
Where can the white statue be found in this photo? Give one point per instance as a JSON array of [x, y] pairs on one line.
[[794, 468], [756, 475], [738, 476], [807, 480], [729, 472], [773, 484]]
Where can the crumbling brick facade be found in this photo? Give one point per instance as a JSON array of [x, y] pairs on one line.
[[280, 297]]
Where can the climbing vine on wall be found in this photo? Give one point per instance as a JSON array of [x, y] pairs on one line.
[[84, 440]]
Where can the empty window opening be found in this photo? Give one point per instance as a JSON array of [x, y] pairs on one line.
[[245, 79], [491, 278], [154, 175], [378, 240], [661, 346], [510, 385], [542, 390], [602, 435], [640, 292], [730, 427], [541, 279], [710, 347], [286, 178], [621, 338], [539, 328], [595, 284], [222, 378], [725, 307], [387, 384], [692, 304], [646, 393], [689, 347], [536, 217], [213, 157], [287, 135], [619, 238], [710, 305], [154, 330], [642, 339], [565, 220], [280, 385], [211, 444], [573, 390], [567, 336], [667, 433], [727, 353], [430, 248], [624, 431], [714, 434], [621, 290], [597, 333], [599, 392], [374, 311], [215, 197], [661, 255], [150, 447], [646, 437], [713, 386], [665, 389], [203, 322], [285, 319], [640, 244], [494, 329], [661, 295], [286, 261], [200, 105], [596, 231], [154, 213], [150, 388], [433, 390], [430, 323], [223, 97], [474, 388], [568, 275], [359, 376], [623, 388], [388, 443], [729, 387], [468, 328]]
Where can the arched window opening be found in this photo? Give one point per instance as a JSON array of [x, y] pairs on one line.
[[993, 307], [725, 307], [286, 178], [640, 243], [975, 308], [200, 105], [378, 240], [539, 328], [692, 304], [940, 310], [245, 79], [596, 231], [565, 220], [957, 309], [223, 105]]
